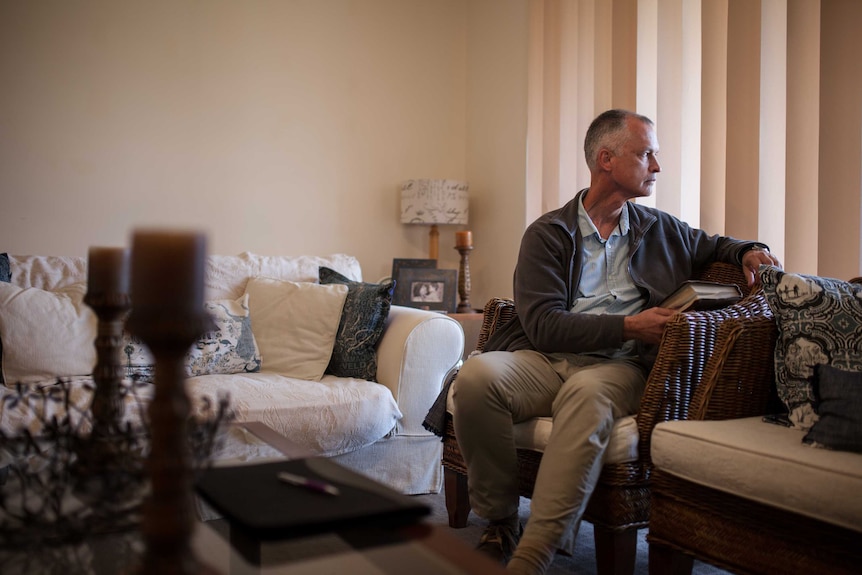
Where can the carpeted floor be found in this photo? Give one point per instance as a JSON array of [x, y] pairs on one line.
[[583, 562]]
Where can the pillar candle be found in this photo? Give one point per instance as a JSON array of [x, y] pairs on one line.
[[168, 270], [463, 239], [108, 271]]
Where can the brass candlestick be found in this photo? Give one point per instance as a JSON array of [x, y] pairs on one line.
[[464, 286]]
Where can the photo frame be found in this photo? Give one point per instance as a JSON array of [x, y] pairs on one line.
[[427, 288], [399, 263]]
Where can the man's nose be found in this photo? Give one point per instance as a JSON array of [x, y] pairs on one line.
[[654, 165]]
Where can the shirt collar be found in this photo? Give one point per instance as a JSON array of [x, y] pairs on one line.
[[588, 228]]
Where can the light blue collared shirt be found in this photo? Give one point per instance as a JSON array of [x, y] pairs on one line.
[[606, 287]]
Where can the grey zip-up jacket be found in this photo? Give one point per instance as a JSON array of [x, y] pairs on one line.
[[664, 252]]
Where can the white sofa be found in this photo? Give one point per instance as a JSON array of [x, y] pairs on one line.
[[372, 427]]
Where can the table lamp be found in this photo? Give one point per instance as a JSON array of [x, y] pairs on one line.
[[434, 202]]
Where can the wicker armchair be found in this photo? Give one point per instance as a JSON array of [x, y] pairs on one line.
[[692, 521], [710, 365]]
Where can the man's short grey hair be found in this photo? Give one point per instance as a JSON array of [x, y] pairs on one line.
[[608, 130]]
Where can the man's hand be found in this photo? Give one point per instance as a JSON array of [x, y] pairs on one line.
[[648, 325], [752, 259]]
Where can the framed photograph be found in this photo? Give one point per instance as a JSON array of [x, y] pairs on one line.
[[427, 288], [399, 263]]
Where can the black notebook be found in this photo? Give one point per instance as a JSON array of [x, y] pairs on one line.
[[253, 498]]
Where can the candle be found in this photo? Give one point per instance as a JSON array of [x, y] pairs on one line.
[[168, 271], [108, 271], [463, 239]]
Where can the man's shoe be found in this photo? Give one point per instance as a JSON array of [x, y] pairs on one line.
[[499, 541]]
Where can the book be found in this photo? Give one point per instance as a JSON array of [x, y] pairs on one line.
[[254, 498], [698, 295]]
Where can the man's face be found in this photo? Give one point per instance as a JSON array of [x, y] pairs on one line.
[[634, 166]]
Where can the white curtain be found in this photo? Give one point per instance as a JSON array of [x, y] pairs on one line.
[[758, 107]]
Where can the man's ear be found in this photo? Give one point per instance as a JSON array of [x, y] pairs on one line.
[[604, 159]]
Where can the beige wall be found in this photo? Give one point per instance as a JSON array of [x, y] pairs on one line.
[[278, 127], [285, 126], [496, 141]]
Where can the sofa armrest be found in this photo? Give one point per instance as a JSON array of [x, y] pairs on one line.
[[416, 352], [711, 365]]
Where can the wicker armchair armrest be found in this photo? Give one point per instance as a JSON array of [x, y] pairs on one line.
[[711, 365], [497, 311]]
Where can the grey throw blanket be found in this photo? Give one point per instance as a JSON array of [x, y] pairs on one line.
[[435, 419]]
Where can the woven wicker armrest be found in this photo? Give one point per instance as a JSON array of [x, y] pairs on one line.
[[496, 312], [711, 365]]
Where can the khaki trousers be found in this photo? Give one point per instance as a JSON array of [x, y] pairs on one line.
[[583, 394]]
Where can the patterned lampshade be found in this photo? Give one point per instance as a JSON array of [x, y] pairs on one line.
[[434, 202]]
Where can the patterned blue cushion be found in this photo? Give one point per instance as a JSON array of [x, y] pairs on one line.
[[5, 276], [362, 320], [819, 322], [838, 402], [5, 270], [229, 347]]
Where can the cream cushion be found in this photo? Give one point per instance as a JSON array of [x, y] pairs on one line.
[[328, 417], [295, 324], [46, 334], [766, 463]]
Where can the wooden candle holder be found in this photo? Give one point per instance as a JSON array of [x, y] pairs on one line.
[[168, 316], [168, 513], [107, 406], [464, 286]]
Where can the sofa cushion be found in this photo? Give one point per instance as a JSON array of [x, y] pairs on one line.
[[230, 347], [46, 334], [295, 324], [838, 402], [819, 322], [327, 417], [362, 321], [47, 272], [5, 271], [225, 277], [766, 463], [139, 362], [5, 277], [32, 414]]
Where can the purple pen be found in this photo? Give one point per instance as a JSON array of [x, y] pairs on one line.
[[311, 484]]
